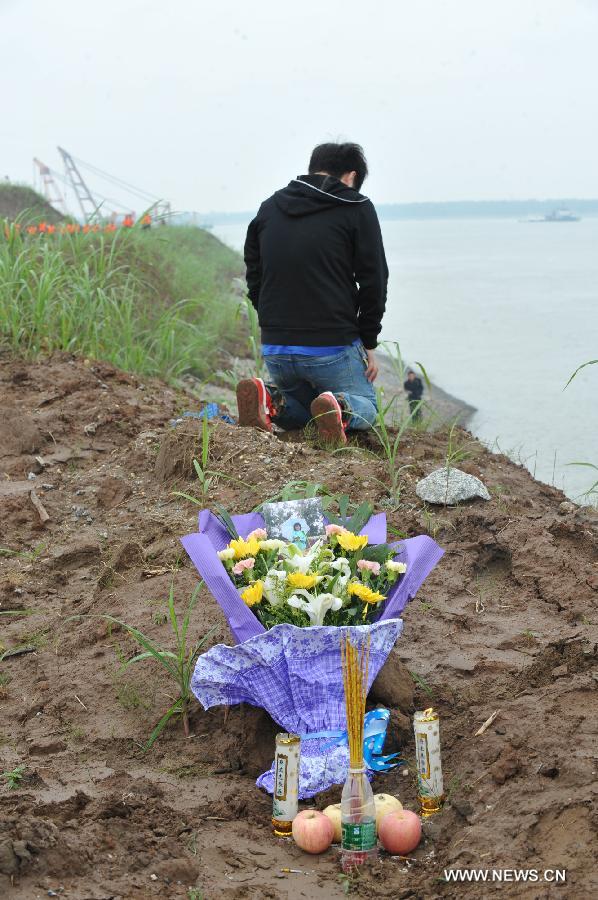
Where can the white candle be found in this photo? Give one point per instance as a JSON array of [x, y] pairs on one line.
[[286, 782], [426, 727]]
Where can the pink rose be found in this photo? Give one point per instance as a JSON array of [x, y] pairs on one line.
[[334, 529], [259, 534], [243, 564], [368, 564]]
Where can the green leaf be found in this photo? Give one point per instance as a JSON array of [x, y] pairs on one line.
[[146, 655], [187, 497], [152, 649], [159, 727], [224, 516], [377, 552], [591, 362], [360, 517], [200, 472], [425, 374]]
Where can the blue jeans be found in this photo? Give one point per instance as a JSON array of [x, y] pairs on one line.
[[301, 378]]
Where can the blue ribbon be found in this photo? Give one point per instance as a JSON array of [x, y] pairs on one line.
[[375, 724]]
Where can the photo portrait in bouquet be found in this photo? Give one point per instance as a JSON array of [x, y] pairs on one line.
[[300, 522]]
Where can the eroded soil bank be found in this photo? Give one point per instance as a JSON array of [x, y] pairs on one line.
[[507, 621]]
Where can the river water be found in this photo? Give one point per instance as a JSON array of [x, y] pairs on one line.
[[501, 313]]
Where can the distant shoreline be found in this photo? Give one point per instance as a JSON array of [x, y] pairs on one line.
[[449, 209]]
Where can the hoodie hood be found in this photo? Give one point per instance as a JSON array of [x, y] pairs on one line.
[[308, 194]]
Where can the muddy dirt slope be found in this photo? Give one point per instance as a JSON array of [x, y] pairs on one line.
[[89, 525]]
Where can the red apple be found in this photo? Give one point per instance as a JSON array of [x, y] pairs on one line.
[[385, 804], [312, 831], [400, 831]]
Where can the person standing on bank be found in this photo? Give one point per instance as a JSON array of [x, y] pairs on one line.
[[415, 389], [317, 276]]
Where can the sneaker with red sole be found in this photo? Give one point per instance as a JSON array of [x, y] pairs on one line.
[[328, 415], [254, 404]]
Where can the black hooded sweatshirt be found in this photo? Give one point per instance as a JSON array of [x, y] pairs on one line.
[[316, 270]]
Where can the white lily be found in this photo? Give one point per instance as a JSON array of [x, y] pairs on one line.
[[398, 567], [272, 544], [316, 606], [273, 586], [227, 553], [303, 562], [342, 573]]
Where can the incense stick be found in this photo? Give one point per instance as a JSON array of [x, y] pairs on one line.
[[355, 662]]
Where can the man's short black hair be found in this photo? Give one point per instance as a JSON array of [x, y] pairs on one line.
[[338, 159]]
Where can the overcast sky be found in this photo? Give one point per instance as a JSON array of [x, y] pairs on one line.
[[214, 105]]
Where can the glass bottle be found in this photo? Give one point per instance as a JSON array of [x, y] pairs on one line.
[[358, 820]]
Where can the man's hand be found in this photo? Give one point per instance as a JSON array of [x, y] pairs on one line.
[[371, 373]]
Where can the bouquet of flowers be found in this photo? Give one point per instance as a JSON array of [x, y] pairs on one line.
[[288, 608], [339, 580]]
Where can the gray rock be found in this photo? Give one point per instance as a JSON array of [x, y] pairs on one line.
[[450, 486]]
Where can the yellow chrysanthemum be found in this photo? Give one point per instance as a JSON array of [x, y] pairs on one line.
[[351, 542], [299, 580], [253, 594], [245, 548], [366, 594]]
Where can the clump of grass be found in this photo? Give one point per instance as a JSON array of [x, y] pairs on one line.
[[390, 442], [129, 697], [422, 683], [14, 777], [155, 303], [457, 449], [177, 663], [29, 555], [206, 477]]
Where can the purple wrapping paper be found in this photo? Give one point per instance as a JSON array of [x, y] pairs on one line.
[[295, 674], [419, 553]]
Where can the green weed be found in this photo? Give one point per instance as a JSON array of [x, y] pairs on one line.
[[591, 362], [178, 663], [14, 777], [457, 449], [76, 733], [28, 555], [397, 533], [421, 683], [390, 443], [593, 489], [206, 477], [129, 697]]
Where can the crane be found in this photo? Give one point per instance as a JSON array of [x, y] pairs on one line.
[[82, 192], [50, 189]]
